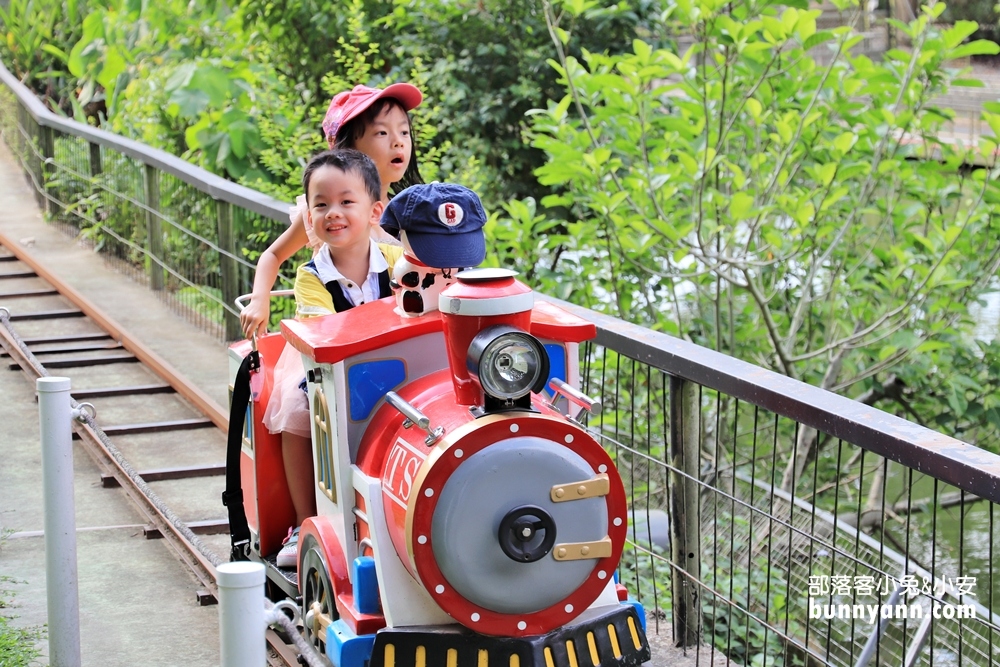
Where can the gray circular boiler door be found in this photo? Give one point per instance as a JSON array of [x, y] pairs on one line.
[[485, 488]]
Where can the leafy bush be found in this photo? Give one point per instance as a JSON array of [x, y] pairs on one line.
[[983, 12], [799, 215], [36, 39]]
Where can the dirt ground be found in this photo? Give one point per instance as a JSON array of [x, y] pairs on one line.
[[664, 654]]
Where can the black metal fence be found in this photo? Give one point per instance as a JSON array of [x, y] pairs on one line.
[[804, 528], [772, 522], [192, 236]]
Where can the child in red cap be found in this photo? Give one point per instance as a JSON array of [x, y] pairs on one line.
[[375, 122]]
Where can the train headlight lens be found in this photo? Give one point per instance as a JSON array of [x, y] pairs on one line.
[[508, 362]]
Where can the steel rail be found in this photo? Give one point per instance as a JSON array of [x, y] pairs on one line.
[[193, 559], [189, 556], [201, 401], [201, 568]]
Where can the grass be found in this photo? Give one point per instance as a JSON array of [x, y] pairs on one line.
[[18, 646]]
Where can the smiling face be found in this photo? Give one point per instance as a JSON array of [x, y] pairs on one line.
[[341, 210], [387, 141]]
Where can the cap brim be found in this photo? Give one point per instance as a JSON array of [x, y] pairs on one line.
[[407, 94], [388, 221], [449, 251]]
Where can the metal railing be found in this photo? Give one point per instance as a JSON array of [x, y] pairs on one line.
[[789, 506], [784, 502], [192, 236]]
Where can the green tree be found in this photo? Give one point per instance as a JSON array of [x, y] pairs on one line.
[[769, 193], [36, 37]]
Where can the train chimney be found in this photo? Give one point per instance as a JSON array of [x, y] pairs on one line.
[[492, 309]]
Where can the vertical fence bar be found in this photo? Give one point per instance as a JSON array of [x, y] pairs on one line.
[[685, 545], [36, 162], [95, 159], [228, 267], [154, 233], [46, 142], [62, 594], [241, 614]]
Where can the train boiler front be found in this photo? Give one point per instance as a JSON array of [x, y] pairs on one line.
[[508, 514]]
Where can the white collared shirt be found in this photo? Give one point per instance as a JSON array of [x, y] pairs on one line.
[[356, 294]]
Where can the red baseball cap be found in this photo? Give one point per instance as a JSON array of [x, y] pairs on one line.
[[350, 104]]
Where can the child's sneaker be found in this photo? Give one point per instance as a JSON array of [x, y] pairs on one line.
[[288, 557]]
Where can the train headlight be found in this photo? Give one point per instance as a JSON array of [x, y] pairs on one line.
[[508, 362]]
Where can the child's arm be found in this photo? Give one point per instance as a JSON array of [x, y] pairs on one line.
[[255, 316]]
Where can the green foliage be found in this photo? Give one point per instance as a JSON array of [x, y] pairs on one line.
[[758, 190], [749, 197], [488, 67], [36, 39], [983, 12], [306, 35], [18, 645]]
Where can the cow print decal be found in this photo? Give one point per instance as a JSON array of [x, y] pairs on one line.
[[412, 302]]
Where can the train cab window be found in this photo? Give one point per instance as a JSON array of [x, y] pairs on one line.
[[324, 445], [247, 425], [557, 364], [368, 381]]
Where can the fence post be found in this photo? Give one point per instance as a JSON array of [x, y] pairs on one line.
[[685, 543], [62, 594], [241, 614], [47, 147], [32, 152], [25, 149], [95, 159], [228, 267], [154, 231]]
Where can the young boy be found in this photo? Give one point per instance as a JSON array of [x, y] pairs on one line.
[[343, 203], [342, 192]]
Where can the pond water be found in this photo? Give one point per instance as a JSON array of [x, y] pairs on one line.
[[964, 543], [987, 317]]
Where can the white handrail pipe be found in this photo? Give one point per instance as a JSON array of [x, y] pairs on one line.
[[62, 591], [241, 614]]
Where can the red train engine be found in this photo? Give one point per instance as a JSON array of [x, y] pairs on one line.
[[463, 516]]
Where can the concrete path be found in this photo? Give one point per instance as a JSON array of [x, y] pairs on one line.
[[137, 604]]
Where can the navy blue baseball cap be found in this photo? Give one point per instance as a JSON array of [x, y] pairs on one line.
[[443, 224]]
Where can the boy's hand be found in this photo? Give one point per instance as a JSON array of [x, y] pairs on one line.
[[254, 318]]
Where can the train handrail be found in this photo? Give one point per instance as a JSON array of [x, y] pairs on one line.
[[273, 293]]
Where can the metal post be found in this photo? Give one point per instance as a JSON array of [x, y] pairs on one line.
[[33, 151], [685, 543], [241, 614], [876, 636], [47, 147], [95, 159], [154, 232], [60, 523], [228, 267]]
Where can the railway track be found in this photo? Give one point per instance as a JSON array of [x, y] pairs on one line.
[[155, 435]]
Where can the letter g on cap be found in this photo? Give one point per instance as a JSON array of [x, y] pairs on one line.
[[450, 214]]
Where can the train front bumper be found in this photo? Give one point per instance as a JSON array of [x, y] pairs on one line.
[[611, 639]]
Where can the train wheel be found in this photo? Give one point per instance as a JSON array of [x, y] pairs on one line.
[[318, 607]]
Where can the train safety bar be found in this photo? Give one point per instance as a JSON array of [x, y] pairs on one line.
[[246, 297], [575, 396]]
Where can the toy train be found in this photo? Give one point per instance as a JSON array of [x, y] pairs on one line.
[[463, 515]]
